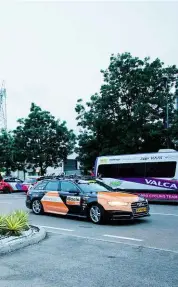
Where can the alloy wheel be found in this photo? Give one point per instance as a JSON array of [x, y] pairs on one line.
[[36, 206], [95, 214]]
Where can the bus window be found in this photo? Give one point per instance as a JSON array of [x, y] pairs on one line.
[[108, 170], [124, 170], [161, 169], [136, 170]]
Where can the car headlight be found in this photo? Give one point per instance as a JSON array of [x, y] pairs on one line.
[[143, 199], [117, 203]]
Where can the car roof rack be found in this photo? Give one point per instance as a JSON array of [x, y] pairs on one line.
[[70, 177]]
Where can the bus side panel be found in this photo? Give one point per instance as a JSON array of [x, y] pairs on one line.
[[150, 192], [138, 183], [176, 173]]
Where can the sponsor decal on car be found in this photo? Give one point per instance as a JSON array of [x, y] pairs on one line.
[[51, 198], [115, 183], [73, 200], [53, 203]]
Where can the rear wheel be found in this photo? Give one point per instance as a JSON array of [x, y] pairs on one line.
[[37, 207], [96, 214], [6, 189]]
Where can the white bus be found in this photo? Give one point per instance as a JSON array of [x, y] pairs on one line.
[[152, 175]]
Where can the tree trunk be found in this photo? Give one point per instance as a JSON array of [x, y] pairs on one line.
[[42, 170], [24, 173]]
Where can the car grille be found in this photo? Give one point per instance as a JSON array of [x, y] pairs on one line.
[[138, 205]]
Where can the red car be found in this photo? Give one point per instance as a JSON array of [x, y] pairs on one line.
[[5, 187], [9, 185]]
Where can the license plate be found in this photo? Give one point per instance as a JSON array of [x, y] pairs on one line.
[[141, 209]]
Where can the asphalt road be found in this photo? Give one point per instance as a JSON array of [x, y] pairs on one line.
[[79, 253]]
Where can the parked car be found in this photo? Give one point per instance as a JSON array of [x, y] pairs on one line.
[[5, 187], [31, 181], [10, 184], [85, 198]]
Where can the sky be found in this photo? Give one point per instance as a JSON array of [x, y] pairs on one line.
[[51, 53]]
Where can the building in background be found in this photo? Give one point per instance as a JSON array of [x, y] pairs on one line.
[[70, 166]]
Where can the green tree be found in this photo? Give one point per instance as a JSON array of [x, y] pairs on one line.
[[42, 141], [129, 113], [7, 161], [173, 131]]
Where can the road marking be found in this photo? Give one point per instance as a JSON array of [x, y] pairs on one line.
[[11, 197], [117, 242], [93, 238], [5, 202], [122, 237], [165, 214], [56, 228]]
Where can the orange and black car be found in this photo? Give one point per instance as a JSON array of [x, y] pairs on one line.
[[85, 198]]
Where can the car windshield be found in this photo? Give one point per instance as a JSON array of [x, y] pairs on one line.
[[93, 187], [30, 180]]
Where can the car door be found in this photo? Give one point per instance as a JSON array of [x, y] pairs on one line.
[[52, 201], [71, 196]]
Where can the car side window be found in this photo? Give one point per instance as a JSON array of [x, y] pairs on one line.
[[52, 186], [68, 187], [40, 185]]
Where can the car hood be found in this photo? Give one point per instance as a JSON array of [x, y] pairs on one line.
[[118, 196]]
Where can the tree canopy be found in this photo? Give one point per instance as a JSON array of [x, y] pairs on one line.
[[129, 113], [42, 141], [38, 141], [7, 161]]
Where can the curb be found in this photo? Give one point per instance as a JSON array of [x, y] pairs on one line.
[[15, 243]]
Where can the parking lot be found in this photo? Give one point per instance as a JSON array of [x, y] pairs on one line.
[[77, 252]]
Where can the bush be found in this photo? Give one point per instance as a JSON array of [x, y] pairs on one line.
[[14, 223], [2, 223]]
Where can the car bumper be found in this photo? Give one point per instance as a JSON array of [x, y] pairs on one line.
[[124, 215], [28, 204]]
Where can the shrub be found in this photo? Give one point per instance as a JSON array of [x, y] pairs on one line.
[[2, 224], [23, 216], [14, 223]]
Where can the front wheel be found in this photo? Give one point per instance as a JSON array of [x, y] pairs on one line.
[[37, 207], [96, 214]]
